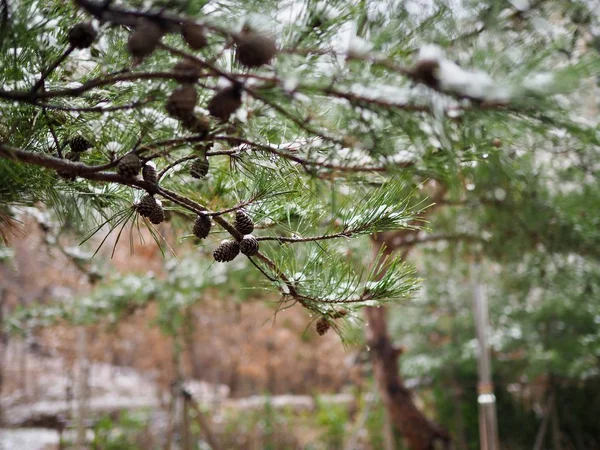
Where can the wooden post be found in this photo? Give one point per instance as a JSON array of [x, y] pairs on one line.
[[488, 425], [83, 371], [3, 349]]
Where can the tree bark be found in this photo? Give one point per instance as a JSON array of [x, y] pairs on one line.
[[420, 432], [3, 345]]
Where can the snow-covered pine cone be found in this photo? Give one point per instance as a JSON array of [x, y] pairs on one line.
[[188, 68], [196, 123], [227, 251], [158, 214], [71, 156], [202, 226], [145, 38], [249, 245], [79, 144], [254, 50], [129, 166], [199, 167], [193, 35], [225, 102], [182, 101], [243, 223], [146, 205], [82, 35], [150, 208], [149, 173]]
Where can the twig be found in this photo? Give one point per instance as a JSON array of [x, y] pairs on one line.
[[95, 109], [32, 97], [51, 68]]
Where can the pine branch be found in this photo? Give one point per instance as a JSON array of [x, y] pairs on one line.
[[33, 96], [46, 73]]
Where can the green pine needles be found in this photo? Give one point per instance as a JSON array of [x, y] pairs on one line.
[[325, 129]]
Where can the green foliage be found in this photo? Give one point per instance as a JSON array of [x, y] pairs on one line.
[[120, 434], [335, 419], [343, 137]]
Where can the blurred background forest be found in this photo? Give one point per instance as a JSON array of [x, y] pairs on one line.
[[461, 137]]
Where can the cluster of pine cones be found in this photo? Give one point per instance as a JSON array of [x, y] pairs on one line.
[[252, 50], [229, 249]]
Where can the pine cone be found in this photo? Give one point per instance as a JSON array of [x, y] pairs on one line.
[[249, 246], [199, 167], [145, 38], [254, 50], [149, 173], [426, 72], [158, 215], [129, 166], [71, 156], [150, 208], [227, 251], [202, 226], [188, 68], [146, 205], [322, 326], [79, 144], [225, 103], [182, 101], [196, 123], [82, 35], [193, 35], [243, 223]]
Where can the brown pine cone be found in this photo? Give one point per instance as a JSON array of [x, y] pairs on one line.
[[243, 223], [225, 103], [196, 123], [202, 226], [426, 72], [145, 38], [254, 50], [322, 326], [146, 205], [71, 156], [182, 101], [129, 166], [199, 167], [249, 246], [149, 173], [82, 35], [158, 215], [79, 144], [227, 251], [149, 207], [188, 68], [193, 35]]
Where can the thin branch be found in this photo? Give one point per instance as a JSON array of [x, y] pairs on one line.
[[283, 239], [95, 109], [32, 97], [76, 168], [46, 73], [162, 173], [410, 239], [298, 159]]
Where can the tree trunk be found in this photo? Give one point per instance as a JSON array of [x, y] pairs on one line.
[[3, 346], [420, 432]]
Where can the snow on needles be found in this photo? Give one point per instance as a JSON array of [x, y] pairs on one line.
[[452, 78]]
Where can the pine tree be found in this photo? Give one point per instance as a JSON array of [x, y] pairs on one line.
[[439, 114]]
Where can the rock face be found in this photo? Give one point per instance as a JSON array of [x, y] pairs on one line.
[[111, 388]]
